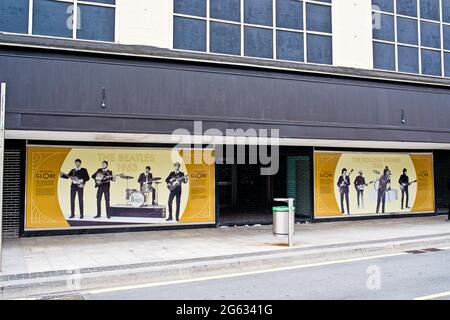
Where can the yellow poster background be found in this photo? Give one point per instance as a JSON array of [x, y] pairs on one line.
[[328, 167], [48, 196]]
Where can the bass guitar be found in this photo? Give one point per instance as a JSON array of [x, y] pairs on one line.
[[75, 180], [343, 188]]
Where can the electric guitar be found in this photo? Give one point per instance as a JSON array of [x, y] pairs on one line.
[[404, 185], [101, 178], [175, 182], [360, 187]]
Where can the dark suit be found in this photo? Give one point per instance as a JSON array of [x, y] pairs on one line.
[[382, 188], [103, 189], [404, 181], [175, 193], [75, 189], [343, 184], [145, 179], [360, 181]]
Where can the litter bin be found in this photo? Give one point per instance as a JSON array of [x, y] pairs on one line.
[[280, 221], [284, 220]]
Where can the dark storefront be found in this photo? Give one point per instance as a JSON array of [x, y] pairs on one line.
[[111, 95]]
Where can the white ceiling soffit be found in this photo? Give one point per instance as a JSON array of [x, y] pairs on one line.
[[177, 139]]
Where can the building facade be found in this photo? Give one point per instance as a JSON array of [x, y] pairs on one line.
[[361, 85]]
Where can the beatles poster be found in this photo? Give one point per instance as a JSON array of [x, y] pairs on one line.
[[354, 183], [89, 187]]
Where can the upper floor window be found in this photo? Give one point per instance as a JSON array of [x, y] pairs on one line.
[[76, 19], [291, 30], [412, 36]]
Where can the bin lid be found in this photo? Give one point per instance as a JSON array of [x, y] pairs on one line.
[[280, 209]]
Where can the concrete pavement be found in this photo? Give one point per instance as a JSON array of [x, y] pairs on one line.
[[34, 266]]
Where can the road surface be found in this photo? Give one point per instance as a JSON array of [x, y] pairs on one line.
[[423, 275]]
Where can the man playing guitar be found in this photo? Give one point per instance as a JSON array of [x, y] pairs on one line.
[[360, 184], [343, 184], [174, 181], [103, 178], [404, 187], [79, 177]]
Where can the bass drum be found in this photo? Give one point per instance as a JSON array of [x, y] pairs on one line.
[[137, 199], [130, 192]]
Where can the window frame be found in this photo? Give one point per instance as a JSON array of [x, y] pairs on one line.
[[418, 20], [274, 28], [75, 18]]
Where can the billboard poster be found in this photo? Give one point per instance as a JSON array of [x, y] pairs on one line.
[[96, 187], [357, 183]]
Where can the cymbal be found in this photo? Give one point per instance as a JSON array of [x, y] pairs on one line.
[[154, 179], [126, 177]]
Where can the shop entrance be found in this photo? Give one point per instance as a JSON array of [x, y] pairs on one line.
[[246, 197]]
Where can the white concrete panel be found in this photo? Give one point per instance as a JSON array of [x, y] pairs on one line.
[[175, 139], [352, 33], [145, 22]]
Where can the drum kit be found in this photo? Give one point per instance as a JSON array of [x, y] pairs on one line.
[[139, 198]]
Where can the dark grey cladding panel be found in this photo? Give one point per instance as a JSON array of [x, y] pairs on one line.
[[64, 92]]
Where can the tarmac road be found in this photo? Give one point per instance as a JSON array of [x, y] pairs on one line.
[[423, 275]]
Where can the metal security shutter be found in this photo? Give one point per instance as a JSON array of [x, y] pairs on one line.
[[12, 196]]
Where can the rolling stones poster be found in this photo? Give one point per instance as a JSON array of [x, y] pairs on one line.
[[86, 187], [353, 183]]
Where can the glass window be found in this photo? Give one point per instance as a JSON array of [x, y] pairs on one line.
[[189, 34], [386, 30], [290, 46], [407, 8], [190, 7], [96, 23], [430, 34], [318, 18], [14, 16], [447, 64], [258, 12], [446, 37], [319, 49], [383, 5], [226, 10], [446, 11], [258, 42], [431, 62], [429, 9], [225, 38], [383, 56], [408, 59], [407, 31], [290, 14], [53, 18]]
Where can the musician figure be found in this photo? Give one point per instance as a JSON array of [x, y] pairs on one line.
[[343, 184], [404, 186], [103, 178], [79, 177], [360, 184], [174, 182], [383, 187], [145, 181]]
